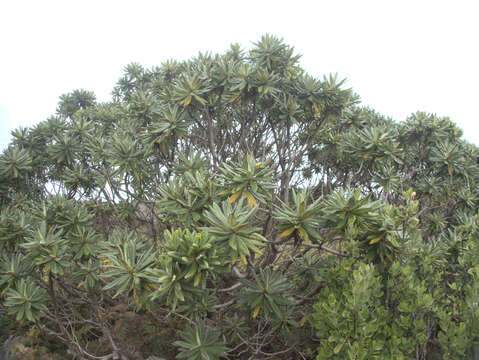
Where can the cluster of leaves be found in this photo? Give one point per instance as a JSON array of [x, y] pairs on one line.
[[247, 210]]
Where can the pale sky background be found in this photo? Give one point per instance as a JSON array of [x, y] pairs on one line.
[[399, 56]]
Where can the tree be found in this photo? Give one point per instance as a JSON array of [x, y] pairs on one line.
[[245, 209]]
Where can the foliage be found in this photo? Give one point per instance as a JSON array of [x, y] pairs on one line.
[[302, 220], [201, 343], [351, 323], [129, 265], [189, 260], [26, 301], [249, 180], [235, 206], [265, 294], [231, 226]]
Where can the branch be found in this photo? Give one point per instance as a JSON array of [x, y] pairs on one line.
[[302, 299], [321, 247], [228, 303], [238, 273], [235, 286]]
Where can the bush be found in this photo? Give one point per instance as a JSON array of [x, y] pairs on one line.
[[237, 207]]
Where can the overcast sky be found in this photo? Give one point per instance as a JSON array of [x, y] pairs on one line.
[[399, 56]]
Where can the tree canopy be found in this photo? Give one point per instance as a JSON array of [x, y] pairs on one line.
[[234, 206]]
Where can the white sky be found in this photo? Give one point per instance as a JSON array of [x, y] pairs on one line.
[[399, 56]]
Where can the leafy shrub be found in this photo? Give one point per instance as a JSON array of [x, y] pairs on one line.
[[238, 207]]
